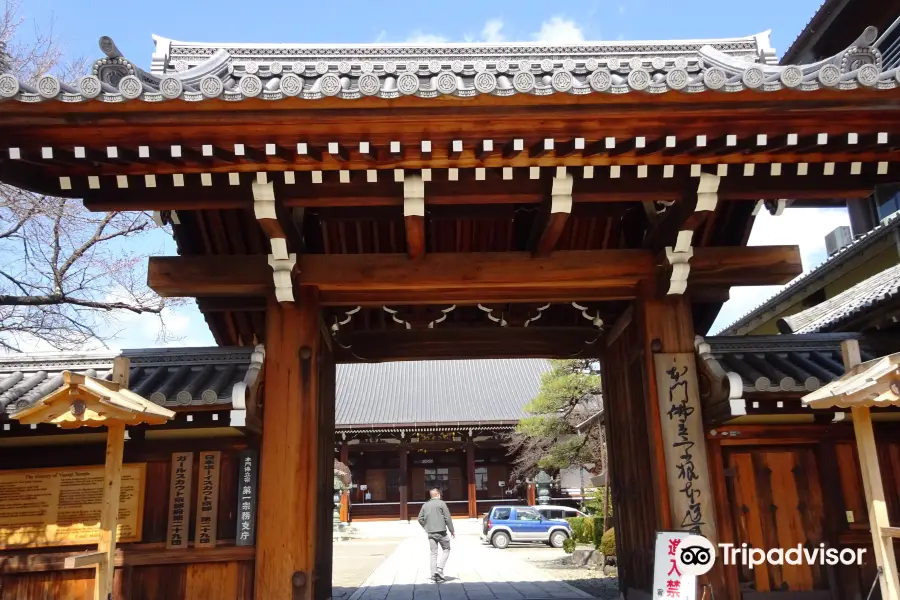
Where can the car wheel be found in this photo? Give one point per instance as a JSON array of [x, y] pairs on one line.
[[557, 539], [500, 540]]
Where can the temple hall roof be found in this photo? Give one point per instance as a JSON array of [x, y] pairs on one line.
[[832, 313], [195, 71], [443, 392], [848, 257]]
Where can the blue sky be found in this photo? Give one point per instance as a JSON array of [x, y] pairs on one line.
[[79, 24]]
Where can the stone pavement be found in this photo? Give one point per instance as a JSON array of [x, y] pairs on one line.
[[475, 571]]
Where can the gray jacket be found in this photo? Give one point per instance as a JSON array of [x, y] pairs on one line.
[[434, 517]]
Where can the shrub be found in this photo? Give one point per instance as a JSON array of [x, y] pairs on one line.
[[608, 543], [569, 546], [598, 532], [594, 506], [582, 529]]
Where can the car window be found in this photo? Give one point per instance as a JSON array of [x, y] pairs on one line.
[[553, 514], [571, 513], [528, 515], [501, 514]]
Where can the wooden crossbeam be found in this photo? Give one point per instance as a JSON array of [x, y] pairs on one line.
[[494, 342], [80, 561], [468, 277], [627, 187]]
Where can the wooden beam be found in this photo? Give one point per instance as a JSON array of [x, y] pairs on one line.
[[80, 561], [467, 277], [463, 343], [744, 265], [560, 209], [414, 215], [628, 187]]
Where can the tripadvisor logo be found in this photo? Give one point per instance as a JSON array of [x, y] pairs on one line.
[[696, 555]]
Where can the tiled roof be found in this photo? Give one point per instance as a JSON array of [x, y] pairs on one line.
[[777, 363], [828, 315], [196, 71], [815, 279], [436, 391], [172, 377]]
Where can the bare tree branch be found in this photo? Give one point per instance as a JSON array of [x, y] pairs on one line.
[[65, 273]]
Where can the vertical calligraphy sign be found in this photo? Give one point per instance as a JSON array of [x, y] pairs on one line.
[[668, 581], [207, 500], [248, 466], [178, 532], [687, 471]]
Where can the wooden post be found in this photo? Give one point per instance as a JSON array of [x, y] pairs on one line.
[[404, 484], [345, 495], [112, 483], [872, 484], [470, 478], [530, 496], [288, 522]]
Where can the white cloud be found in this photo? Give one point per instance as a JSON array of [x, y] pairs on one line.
[[803, 227], [420, 37], [382, 36], [621, 9], [559, 30], [491, 32]]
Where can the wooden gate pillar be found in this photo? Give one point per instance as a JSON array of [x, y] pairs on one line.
[[293, 550], [675, 416], [659, 479]]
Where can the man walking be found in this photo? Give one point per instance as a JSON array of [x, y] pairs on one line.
[[434, 517]]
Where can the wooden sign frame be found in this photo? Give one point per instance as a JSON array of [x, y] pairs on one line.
[[182, 520], [684, 444], [137, 527], [207, 499]]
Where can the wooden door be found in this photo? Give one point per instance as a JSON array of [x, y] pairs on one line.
[[375, 479], [776, 501]]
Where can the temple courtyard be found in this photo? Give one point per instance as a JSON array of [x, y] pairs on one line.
[[398, 569]]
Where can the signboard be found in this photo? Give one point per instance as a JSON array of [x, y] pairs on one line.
[[248, 467], [684, 444], [61, 506], [668, 580], [207, 500], [178, 530]]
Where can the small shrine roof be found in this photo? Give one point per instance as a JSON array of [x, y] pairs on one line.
[[776, 363], [194, 71], [169, 377]]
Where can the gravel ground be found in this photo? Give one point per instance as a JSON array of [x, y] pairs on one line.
[[559, 564]]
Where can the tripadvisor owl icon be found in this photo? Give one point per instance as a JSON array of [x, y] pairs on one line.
[[695, 555]]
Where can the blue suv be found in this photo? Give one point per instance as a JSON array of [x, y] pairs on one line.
[[505, 524]]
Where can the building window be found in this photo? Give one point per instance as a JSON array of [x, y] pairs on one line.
[[437, 478], [887, 200], [481, 479]]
